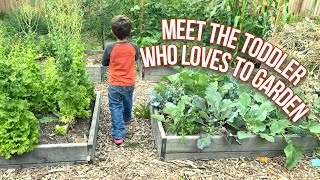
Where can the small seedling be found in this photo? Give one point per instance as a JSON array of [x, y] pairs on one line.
[[61, 130], [142, 111]]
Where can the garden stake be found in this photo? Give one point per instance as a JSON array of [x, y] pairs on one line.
[[101, 22]]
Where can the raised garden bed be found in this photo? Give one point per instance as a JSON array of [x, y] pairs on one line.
[[63, 153], [95, 69], [155, 73], [170, 147], [96, 72]]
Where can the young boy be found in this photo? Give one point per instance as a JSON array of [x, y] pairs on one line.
[[120, 57]]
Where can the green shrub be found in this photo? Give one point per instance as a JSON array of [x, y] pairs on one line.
[[75, 89], [19, 98]]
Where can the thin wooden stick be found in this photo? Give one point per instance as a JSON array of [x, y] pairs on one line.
[[141, 16], [278, 20]]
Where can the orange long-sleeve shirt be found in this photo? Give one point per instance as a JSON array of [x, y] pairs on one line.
[[120, 57]]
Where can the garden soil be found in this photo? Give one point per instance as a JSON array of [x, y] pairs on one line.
[[78, 133], [137, 158]]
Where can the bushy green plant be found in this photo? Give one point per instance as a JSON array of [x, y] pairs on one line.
[[27, 17], [75, 89], [19, 130], [50, 87], [19, 97]]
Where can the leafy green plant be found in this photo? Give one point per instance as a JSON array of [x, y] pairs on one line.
[[202, 102], [142, 111], [28, 17], [75, 89], [19, 98], [61, 130]]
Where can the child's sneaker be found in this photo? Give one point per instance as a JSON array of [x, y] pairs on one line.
[[117, 141]]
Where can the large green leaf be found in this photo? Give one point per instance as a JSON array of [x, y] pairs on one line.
[[267, 137], [278, 126], [293, 154], [243, 103], [226, 107], [312, 126], [242, 134], [212, 88], [158, 117], [233, 116], [213, 97], [267, 106], [199, 102], [259, 97], [257, 126], [170, 109], [204, 141], [225, 88]]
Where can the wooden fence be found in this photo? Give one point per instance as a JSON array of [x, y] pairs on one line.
[[9, 4], [306, 7]]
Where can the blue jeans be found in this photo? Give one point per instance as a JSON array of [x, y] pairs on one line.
[[120, 105]]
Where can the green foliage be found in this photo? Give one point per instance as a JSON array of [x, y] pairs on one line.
[[19, 130], [196, 101], [248, 16], [61, 130], [27, 17], [20, 96], [50, 86], [293, 154], [47, 119], [30, 88], [142, 111], [75, 89], [98, 14]]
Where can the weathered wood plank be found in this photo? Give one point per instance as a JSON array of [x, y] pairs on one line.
[[49, 153], [159, 137], [307, 6], [93, 134], [96, 72], [159, 71], [224, 154], [219, 143], [93, 52], [155, 73], [295, 6]]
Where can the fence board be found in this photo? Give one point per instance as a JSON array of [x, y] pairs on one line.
[[9, 4], [306, 7], [317, 9]]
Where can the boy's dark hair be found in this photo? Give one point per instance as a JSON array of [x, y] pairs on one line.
[[121, 26]]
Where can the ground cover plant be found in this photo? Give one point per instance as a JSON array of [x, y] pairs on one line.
[[42, 78]]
